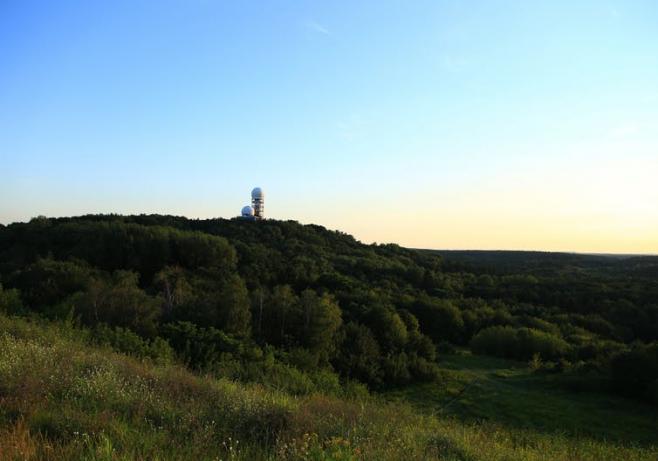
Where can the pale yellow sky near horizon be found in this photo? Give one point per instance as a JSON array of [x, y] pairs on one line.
[[591, 199], [574, 203]]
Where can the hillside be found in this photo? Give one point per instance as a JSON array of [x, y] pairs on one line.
[[64, 398], [550, 350]]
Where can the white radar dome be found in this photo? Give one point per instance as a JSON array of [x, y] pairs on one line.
[[247, 211], [257, 193]]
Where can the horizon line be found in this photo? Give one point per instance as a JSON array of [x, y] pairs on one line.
[[509, 250]]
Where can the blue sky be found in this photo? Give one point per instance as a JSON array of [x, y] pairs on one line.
[[443, 124]]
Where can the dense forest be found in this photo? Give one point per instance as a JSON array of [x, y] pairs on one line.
[[304, 309]]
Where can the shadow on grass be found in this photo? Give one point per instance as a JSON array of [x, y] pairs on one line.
[[483, 389]]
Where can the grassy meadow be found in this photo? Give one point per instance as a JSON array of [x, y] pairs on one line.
[[61, 398], [477, 388]]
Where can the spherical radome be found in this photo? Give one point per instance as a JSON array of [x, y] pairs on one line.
[[247, 211], [257, 193]]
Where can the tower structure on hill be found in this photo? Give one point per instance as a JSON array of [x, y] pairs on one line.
[[257, 209], [258, 203]]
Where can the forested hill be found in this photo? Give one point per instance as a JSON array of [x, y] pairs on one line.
[[317, 305], [270, 252]]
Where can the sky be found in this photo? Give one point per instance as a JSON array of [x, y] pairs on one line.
[[431, 124]]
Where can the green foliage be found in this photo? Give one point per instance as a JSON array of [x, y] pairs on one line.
[[439, 319], [596, 352], [234, 307], [10, 301], [389, 328], [114, 245], [360, 354], [320, 298], [129, 343], [46, 282], [63, 399], [174, 288], [117, 300], [196, 249], [476, 388], [519, 343], [535, 362], [635, 372], [320, 320], [201, 348]]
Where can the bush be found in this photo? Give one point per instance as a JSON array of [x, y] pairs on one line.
[[445, 347], [519, 343], [125, 341], [10, 301], [600, 351], [635, 372], [439, 319], [118, 300], [201, 348], [48, 282]]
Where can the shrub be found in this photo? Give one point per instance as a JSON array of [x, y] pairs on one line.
[[118, 300], [596, 350], [635, 372], [48, 282], [200, 348], [10, 301], [125, 341], [445, 347], [439, 319], [519, 343]]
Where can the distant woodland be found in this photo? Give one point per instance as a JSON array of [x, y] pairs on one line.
[[304, 309]]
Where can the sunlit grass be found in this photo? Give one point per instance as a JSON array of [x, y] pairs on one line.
[[62, 399]]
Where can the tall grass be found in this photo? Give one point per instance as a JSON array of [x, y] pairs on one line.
[[63, 399]]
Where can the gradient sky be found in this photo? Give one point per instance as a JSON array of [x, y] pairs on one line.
[[437, 124]]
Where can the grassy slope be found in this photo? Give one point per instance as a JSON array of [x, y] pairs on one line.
[[62, 399], [477, 388]]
